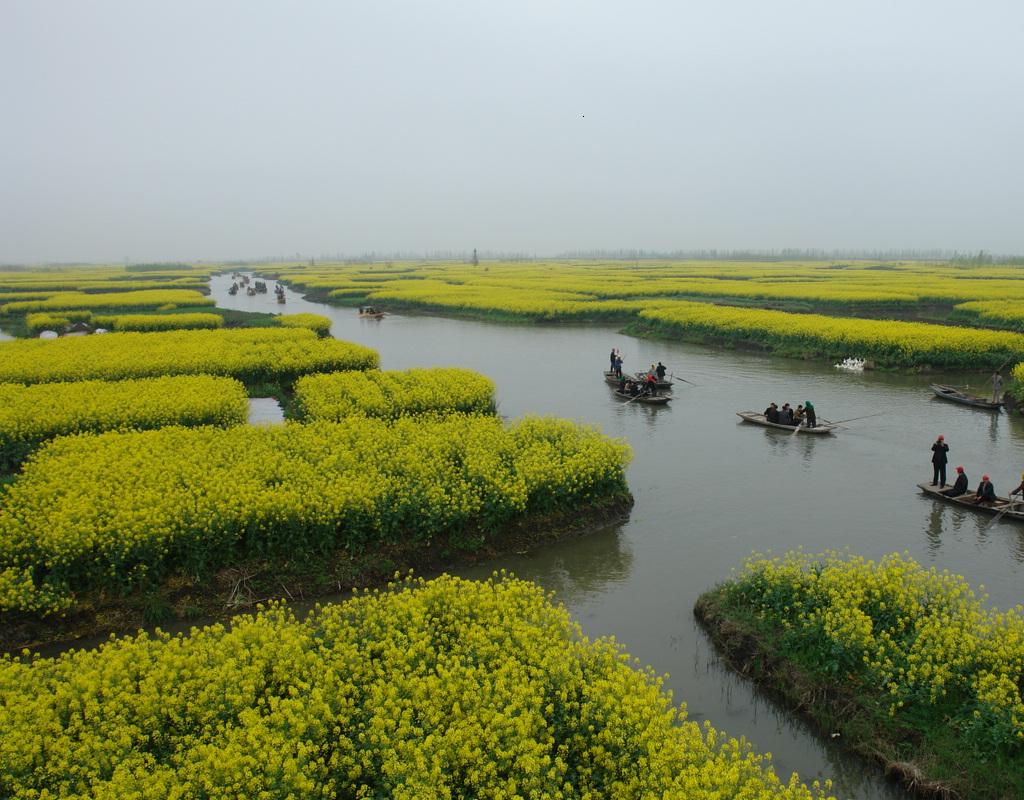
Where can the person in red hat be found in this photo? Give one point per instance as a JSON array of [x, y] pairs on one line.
[[960, 486], [986, 494], [939, 461]]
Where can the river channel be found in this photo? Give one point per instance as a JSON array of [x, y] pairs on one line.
[[710, 490]]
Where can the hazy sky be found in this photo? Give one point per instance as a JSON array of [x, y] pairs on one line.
[[183, 130]]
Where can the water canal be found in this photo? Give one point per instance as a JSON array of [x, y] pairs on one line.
[[710, 490]]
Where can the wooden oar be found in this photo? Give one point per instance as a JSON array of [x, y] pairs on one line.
[[1009, 504], [852, 419], [681, 379], [635, 398]]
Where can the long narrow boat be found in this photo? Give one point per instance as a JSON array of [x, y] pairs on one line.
[[965, 501], [957, 396], [646, 399], [760, 419]]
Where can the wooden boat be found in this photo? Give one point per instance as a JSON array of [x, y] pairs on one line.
[[646, 399], [759, 419], [370, 313], [957, 396], [1016, 513]]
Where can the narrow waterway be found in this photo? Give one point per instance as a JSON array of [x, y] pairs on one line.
[[710, 490]]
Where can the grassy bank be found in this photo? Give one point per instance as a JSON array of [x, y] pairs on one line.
[[900, 664]]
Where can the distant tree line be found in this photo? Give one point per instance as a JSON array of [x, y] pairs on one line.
[[157, 266]]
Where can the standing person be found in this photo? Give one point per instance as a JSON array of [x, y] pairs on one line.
[[960, 487], [613, 360], [618, 365], [812, 419], [939, 460], [997, 387], [652, 384], [661, 370]]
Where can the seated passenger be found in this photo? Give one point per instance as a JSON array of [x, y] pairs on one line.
[[986, 494], [958, 488], [772, 413]]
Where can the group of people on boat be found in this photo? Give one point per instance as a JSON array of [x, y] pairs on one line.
[[803, 414], [985, 494]]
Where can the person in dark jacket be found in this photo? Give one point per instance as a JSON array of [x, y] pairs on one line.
[[986, 494], [661, 370], [612, 357], [772, 413], [960, 486], [812, 419], [786, 415], [939, 461]]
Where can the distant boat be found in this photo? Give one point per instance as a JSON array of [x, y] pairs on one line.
[[370, 312], [957, 396]]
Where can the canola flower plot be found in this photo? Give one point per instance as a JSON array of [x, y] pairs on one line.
[[389, 395], [889, 342], [447, 688], [920, 638], [203, 497], [997, 313], [146, 298], [251, 355], [31, 415], [46, 321], [317, 323], [158, 322]]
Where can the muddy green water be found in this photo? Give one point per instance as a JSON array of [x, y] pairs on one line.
[[710, 490]]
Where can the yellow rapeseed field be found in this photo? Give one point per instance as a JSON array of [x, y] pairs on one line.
[[389, 395], [889, 342], [31, 415], [921, 636], [440, 689], [157, 322], [317, 323], [201, 498], [249, 354], [146, 298]]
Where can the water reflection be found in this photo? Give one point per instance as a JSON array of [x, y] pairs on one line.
[[573, 572]]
